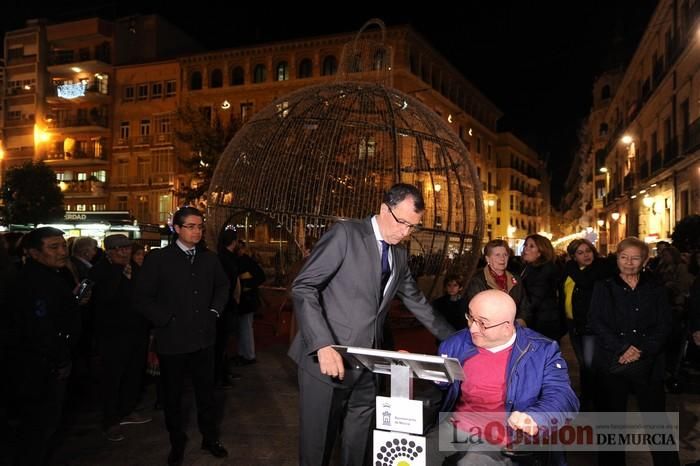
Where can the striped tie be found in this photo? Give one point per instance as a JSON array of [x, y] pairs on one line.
[[190, 254]]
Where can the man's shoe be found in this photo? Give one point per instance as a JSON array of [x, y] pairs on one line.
[[114, 433], [134, 418], [241, 361], [215, 448], [177, 455]]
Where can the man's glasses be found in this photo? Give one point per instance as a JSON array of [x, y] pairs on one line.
[[193, 226], [483, 327], [410, 226]]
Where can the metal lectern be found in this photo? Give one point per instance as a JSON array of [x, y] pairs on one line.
[[400, 418]]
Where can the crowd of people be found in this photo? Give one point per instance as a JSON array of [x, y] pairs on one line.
[[172, 311], [168, 313]]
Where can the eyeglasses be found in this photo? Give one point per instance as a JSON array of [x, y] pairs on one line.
[[410, 226], [193, 226], [482, 326]]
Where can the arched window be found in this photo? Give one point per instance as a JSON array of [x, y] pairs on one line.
[[605, 92], [216, 79], [413, 60], [237, 76], [282, 71], [379, 61], [330, 66], [196, 80], [259, 74], [305, 68]]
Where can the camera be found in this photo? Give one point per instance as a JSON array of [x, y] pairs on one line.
[[84, 288]]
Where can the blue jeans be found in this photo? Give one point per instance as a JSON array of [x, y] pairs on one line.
[[244, 335]]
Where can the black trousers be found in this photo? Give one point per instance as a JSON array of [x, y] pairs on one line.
[[173, 369], [123, 364], [325, 408], [613, 392], [42, 394]]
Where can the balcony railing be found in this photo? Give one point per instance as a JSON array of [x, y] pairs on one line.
[[149, 180], [144, 140], [76, 122], [95, 188], [77, 155], [691, 138]]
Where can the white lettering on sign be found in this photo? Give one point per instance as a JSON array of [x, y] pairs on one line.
[[75, 216]]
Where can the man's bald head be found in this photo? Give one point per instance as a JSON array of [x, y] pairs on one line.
[[492, 315], [494, 305]]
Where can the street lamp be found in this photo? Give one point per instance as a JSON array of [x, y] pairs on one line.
[[626, 139], [615, 216], [601, 222]]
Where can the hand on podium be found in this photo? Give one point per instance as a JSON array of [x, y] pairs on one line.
[[330, 362]]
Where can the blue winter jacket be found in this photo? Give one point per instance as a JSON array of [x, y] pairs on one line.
[[537, 379]]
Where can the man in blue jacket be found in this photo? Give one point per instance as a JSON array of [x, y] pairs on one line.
[[513, 377]]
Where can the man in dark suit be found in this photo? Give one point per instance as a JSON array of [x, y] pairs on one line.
[[183, 290], [341, 297]]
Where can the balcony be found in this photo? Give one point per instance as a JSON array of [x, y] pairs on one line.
[[82, 188], [691, 138], [143, 140], [91, 93], [152, 179], [163, 138], [77, 158], [16, 91], [91, 123]]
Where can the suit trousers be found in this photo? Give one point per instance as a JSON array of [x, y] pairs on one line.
[[123, 365], [324, 407], [173, 368]]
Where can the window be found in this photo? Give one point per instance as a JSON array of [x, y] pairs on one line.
[[217, 78], [82, 176], [161, 161], [246, 111], [156, 90], [259, 73], [165, 204], [603, 130], [142, 93], [330, 66], [170, 88], [81, 207], [478, 145], [605, 92], [305, 69], [124, 130], [64, 176], [122, 203], [195, 80], [129, 93], [145, 128], [206, 113], [98, 207], [122, 172], [100, 175], [282, 71], [379, 62], [237, 76], [163, 124]]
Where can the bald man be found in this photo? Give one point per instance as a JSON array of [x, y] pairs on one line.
[[512, 375]]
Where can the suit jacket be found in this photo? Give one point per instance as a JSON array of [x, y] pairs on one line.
[[177, 297], [337, 295]]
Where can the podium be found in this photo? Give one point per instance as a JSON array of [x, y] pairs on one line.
[[398, 435]]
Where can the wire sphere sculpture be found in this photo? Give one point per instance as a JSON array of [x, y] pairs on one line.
[[328, 152]]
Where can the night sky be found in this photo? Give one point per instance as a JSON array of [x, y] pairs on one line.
[[536, 60]]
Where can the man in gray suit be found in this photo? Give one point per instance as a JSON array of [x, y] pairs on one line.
[[341, 297]]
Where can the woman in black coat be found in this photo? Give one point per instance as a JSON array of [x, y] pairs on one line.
[[541, 281], [631, 318], [584, 268]]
